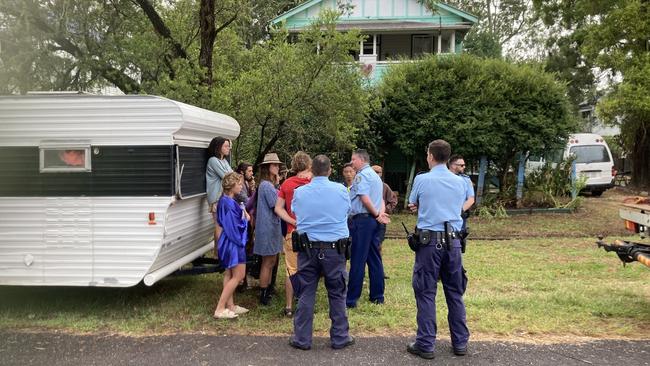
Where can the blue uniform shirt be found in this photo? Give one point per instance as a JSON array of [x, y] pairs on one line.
[[469, 189], [368, 183], [321, 208], [440, 195]]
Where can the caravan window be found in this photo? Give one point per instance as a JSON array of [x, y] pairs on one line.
[[64, 159]]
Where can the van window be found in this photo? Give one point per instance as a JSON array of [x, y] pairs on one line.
[[590, 154]]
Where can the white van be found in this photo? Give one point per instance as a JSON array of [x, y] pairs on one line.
[[592, 157], [593, 160]]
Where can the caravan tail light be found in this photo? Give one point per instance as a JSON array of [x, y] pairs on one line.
[[152, 218], [573, 141], [614, 172], [631, 226]]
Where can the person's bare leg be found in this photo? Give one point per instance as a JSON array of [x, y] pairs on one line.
[[223, 299], [238, 273], [265, 272], [288, 291]]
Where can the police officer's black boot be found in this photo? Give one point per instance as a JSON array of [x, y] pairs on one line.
[[265, 297]]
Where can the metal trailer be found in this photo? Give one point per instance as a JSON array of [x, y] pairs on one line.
[[103, 190], [636, 213]]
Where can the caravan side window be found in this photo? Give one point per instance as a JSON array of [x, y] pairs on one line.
[[64, 159]]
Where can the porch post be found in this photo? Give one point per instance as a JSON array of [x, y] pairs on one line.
[[374, 44], [439, 43], [452, 46], [361, 47]]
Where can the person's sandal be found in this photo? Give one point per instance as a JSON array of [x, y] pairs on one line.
[[239, 310], [288, 312], [225, 314]]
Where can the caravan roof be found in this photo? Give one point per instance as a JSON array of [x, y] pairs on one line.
[[109, 120]]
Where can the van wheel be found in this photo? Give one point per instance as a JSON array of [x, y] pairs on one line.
[[597, 193]]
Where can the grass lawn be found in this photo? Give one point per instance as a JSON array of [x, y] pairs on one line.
[[534, 287]]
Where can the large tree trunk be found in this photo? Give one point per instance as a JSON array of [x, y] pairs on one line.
[[641, 159], [208, 35]]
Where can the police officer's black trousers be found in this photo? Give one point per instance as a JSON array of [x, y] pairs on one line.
[[432, 263], [331, 265]]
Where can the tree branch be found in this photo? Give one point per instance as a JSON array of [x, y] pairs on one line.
[[161, 28], [227, 23]]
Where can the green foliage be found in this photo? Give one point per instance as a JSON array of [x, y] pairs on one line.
[[289, 96], [492, 208], [481, 107], [629, 105], [613, 35], [484, 44], [499, 23], [551, 186], [78, 45]]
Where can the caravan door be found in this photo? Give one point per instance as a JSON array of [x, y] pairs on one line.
[[68, 257]]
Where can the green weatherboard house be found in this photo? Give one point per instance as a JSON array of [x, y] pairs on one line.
[[396, 29]]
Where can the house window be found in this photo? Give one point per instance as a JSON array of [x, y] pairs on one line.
[[59, 158], [371, 44], [421, 44]]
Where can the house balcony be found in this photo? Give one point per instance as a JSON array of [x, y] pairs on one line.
[[379, 51]]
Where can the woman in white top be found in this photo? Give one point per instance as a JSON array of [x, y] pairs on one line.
[[215, 170]]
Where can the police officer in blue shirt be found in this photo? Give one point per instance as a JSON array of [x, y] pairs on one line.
[[438, 198], [321, 208], [457, 166], [366, 194]]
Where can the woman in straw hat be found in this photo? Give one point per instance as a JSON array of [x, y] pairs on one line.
[[268, 232]]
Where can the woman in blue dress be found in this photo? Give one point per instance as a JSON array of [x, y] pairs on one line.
[[268, 232], [233, 219]]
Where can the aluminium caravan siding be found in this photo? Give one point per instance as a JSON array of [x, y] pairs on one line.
[[109, 121], [115, 171], [86, 241], [188, 227]]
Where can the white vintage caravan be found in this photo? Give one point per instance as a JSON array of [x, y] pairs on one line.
[[103, 190]]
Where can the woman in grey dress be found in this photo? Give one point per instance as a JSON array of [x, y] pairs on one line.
[[268, 232]]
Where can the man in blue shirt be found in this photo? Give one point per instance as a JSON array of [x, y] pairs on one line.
[[438, 198], [321, 208], [367, 213]]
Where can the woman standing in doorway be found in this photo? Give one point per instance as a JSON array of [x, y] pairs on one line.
[[268, 233], [217, 167]]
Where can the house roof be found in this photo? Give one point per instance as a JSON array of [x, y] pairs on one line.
[[378, 26], [299, 15]]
